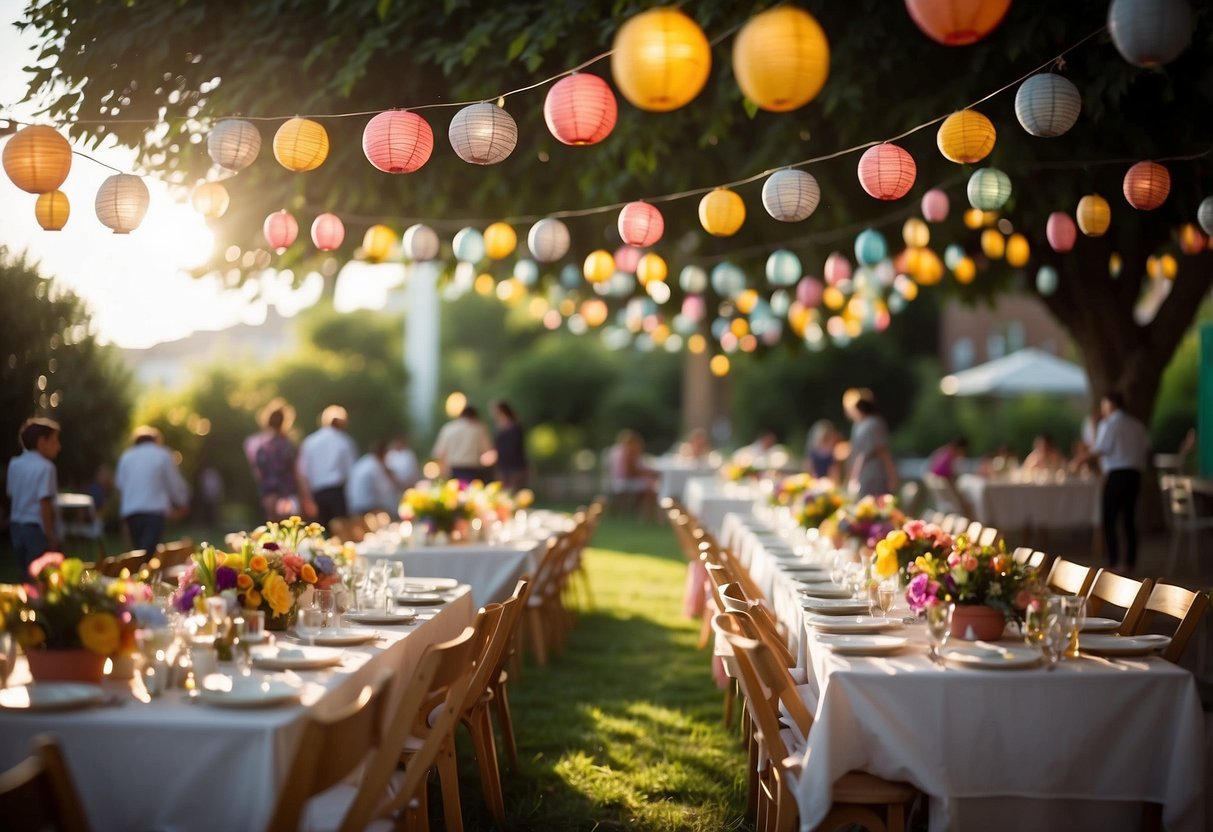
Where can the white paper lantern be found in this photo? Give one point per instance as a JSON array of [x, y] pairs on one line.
[[483, 134], [693, 280], [791, 195], [1047, 105], [1150, 32], [1204, 215], [420, 243], [468, 245], [122, 202], [989, 189], [233, 144], [548, 240]]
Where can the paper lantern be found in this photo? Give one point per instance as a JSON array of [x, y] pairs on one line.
[[52, 210], [915, 233], [233, 144], [728, 280], [660, 60], [993, 244], [122, 202], [886, 171], [924, 266], [377, 243], [1146, 185], [640, 224], [721, 212], [952, 255], [1061, 232], [1094, 215], [483, 134], [973, 218], [651, 269], [328, 232], [790, 195], [548, 240], [499, 240], [781, 59], [301, 145], [397, 141], [1018, 250], [37, 158], [989, 189], [468, 245], [808, 292], [1191, 240], [837, 269], [420, 243], [580, 109], [1204, 214], [210, 199], [957, 22], [783, 268], [870, 247], [527, 272], [1046, 280], [935, 205], [966, 137], [965, 271], [280, 230], [1047, 105], [626, 258], [1150, 32], [598, 266], [1115, 264], [693, 279], [570, 276]]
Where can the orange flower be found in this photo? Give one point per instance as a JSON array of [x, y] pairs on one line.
[[244, 581], [252, 600], [258, 563], [308, 573]]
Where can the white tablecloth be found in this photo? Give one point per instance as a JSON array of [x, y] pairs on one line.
[[491, 571], [710, 499], [1074, 748], [175, 766], [1008, 504], [675, 472]]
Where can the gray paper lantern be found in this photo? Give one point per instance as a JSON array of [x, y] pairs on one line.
[[1204, 215], [233, 144], [989, 189], [548, 240], [790, 195], [1046, 280], [420, 243], [1047, 105], [483, 134], [122, 202], [1150, 32]]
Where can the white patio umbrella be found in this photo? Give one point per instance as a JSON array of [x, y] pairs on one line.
[[1025, 371]]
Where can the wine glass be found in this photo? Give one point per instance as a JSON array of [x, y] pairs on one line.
[[939, 627], [309, 624], [324, 601], [393, 571], [838, 569], [1074, 608], [1056, 630], [884, 596], [242, 648], [1035, 625]]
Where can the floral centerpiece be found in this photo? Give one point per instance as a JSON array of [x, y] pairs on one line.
[[866, 521], [267, 570], [738, 471], [438, 506], [819, 506], [69, 622], [789, 490], [902, 547]]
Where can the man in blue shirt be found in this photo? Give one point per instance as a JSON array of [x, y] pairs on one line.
[[33, 485]]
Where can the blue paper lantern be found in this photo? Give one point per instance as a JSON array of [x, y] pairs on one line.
[[783, 268], [468, 245], [870, 247], [693, 279], [727, 279], [952, 255], [570, 276]]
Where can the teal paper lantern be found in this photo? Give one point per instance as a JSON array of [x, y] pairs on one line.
[[728, 280], [570, 276], [952, 255], [1046, 280], [870, 247], [783, 268], [468, 245], [693, 280], [781, 301], [989, 189]]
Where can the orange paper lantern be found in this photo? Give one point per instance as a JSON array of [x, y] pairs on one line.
[[37, 158], [301, 145], [957, 22], [1146, 185], [781, 59], [210, 199], [640, 224], [397, 141], [52, 210], [660, 59], [580, 109], [886, 171], [1094, 215]]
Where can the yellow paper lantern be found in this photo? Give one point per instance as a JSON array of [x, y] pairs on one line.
[[1168, 266], [746, 302], [651, 268], [377, 243], [1115, 264], [719, 365], [965, 271], [1018, 250], [697, 344], [1192, 240], [924, 266], [915, 233], [301, 145], [1153, 268], [660, 60], [781, 59], [974, 217], [499, 241], [739, 327], [833, 298], [721, 212], [210, 199], [595, 312], [993, 244], [1094, 215], [37, 158], [484, 284], [598, 266], [52, 210], [966, 137]]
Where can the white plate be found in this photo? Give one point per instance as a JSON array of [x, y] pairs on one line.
[[1105, 644], [245, 692], [835, 606], [420, 599], [400, 615], [801, 566], [987, 656], [863, 645], [296, 658], [851, 623], [51, 696], [345, 636], [824, 589], [1101, 625], [430, 584]]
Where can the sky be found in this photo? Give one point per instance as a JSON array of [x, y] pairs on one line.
[[134, 284]]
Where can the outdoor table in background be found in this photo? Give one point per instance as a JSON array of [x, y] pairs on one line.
[[1013, 504], [710, 499], [676, 471]]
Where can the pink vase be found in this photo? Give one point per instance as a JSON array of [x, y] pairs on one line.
[[977, 622], [78, 665]]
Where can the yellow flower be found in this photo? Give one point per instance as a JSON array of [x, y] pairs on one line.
[[252, 599], [98, 632], [258, 563], [886, 561], [308, 573], [525, 498], [277, 594], [898, 538], [29, 635]]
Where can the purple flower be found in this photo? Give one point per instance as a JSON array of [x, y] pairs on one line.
[[185, 598], [921, 592], [324, 564], [225, 577], [271, 546]]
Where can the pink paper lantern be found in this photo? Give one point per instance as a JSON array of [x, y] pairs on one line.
[[398, 141], [886, 171], [580, 109], [837, 269], [935, 205], [280, 230], [328, 232], [640, 224], [808, 292], [626, 259], [693, 308], [1061, 231]]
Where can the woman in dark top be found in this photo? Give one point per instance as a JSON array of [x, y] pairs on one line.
[[510, 443], [272, 455]]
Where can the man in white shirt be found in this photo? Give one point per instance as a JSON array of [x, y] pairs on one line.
[[401, 462], [152, 488], [1122, 445], [33, 485], [326, 458], [463, 448], [370, 486]]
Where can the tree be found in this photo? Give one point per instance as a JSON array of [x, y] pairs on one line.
[[179, 63]]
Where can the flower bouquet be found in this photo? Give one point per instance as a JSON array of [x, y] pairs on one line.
[[739, 471], [790, 489], [902, 547], [819, 507], [865, 522], [438, 506]]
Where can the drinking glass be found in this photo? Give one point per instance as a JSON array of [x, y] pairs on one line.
[[1074, 608], [309, 624], [838, 569], [1035, 625], [939, 626], [242, 647], [7, 657], [323, 600], [394, 572], [254, 625], [884, 596], [1057, 628]]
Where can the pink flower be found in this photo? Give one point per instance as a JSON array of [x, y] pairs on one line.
[[292, 566], [187, 577], [968, 562], [953, 560], [1024, 600], [48, 559], [914, 529]]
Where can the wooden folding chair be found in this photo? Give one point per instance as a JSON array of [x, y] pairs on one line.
[[1110, 589], [544, 609], [1024, 556], [1183, 605], [1069, 577], [989, 536], [511, 623], [38, 793], [974, 530], [132, 562]]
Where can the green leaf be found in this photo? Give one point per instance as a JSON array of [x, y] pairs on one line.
[[382, 8], [517, 45], [750, 107]]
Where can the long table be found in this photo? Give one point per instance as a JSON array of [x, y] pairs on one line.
[[172, 765], [1015, 504], [710, 499]]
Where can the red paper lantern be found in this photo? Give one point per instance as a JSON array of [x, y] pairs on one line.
[[1061, 231], [1147, 185], [580, 109], [280, 230], [957, 22], [886, 171], [398, 141], [328, 232], [935, 205], [640, 224]]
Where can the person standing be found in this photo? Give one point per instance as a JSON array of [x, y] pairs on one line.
[[152, 488], [273, 457], [510, 443], [871, 471], [1122, 445], [33, 485], [820, 447], [463, 446], [401, 462], [370, 486], [325, 460]]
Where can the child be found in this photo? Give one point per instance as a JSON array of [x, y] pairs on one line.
[[33, 485]]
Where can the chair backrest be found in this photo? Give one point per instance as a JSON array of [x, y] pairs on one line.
[[935, 517], [1070, 577], [989, 536], [131, 561], [1184, 507], [443, 667], [955, 524], [1022, 555], [174, 552], [1179, 603], [764, 627], [974, 530], [507, 629], [1108, 588], [944, 495], [487, 625], [766, 684], [38, 793]]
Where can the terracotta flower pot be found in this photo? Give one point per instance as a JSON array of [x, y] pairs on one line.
[[977, 622], [79, 665]]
